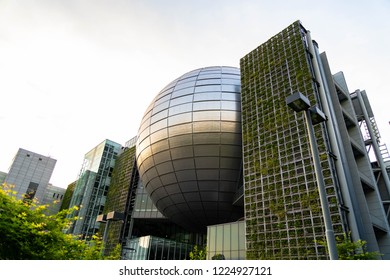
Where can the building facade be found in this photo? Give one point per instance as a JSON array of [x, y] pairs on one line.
[[219, 154], [283, 212], [189, 148], [141, 229], [30, 173], [91, 188], [226, 241], [120, 197], [53, 197]]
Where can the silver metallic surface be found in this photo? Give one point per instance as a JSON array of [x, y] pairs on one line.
[[189, 147]]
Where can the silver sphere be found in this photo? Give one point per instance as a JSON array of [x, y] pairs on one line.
[[189, 147]]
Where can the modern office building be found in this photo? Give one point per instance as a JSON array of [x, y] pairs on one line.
[[92, 187], [3, 175], [131, 219], [30, 174], [221, 154], [283, 214], [53, 197]]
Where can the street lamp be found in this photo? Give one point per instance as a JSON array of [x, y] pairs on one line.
[[313, 115]]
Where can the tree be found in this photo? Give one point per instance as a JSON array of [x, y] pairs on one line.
[[27, 233], [352, 250], [218, 257], [348, 250], [198, 253]]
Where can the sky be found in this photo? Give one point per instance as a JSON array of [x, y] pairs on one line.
[[74, 73]]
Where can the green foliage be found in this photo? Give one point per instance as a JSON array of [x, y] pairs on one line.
[[357, 250], [27, 233], [349, 250], [198, 253], [218, 257], [115, 254]]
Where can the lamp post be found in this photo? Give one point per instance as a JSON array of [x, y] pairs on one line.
[[313, 115]]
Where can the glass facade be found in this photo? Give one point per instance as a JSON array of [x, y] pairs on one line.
[[92, 188], [226, 241], [144, 207], [30, 174], [156, 248]]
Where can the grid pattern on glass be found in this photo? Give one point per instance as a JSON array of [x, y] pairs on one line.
[[29, 167], [282, 208], [92, 187], [155, 248], [192, 139], [226, 241]]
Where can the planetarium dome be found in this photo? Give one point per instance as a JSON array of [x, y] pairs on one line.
[[189, 147]]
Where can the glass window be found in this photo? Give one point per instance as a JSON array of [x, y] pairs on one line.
[[159, 116], [182, 92], [203, 96], [231, 88], [233, 116], [159, 135], [180, 118], [159, 146], [235, 236], [206, 150], [230, 81], [186, 80], [180, 129], [207, 138], [181, 100], [191, 74], [209, 126], [164, 168], [182, 152], [211, 238], [209, 82], [159, 125], [182, 164], [160, 107], [187, 107], [145, 133], [230, 105], [226, 237], [207, 105], [161, 157], [208, 88], [207, 162], [180, 140], [231, 96], [185, 84], [219, 240], [209, 76], [163, 97], [206, 115]]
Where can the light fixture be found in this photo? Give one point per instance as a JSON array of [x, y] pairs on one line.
[[317, 116], [298, 102], [102, 218], [115, 216]]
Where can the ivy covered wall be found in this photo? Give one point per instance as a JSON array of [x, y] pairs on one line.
[[117, 197], [282, 206]]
